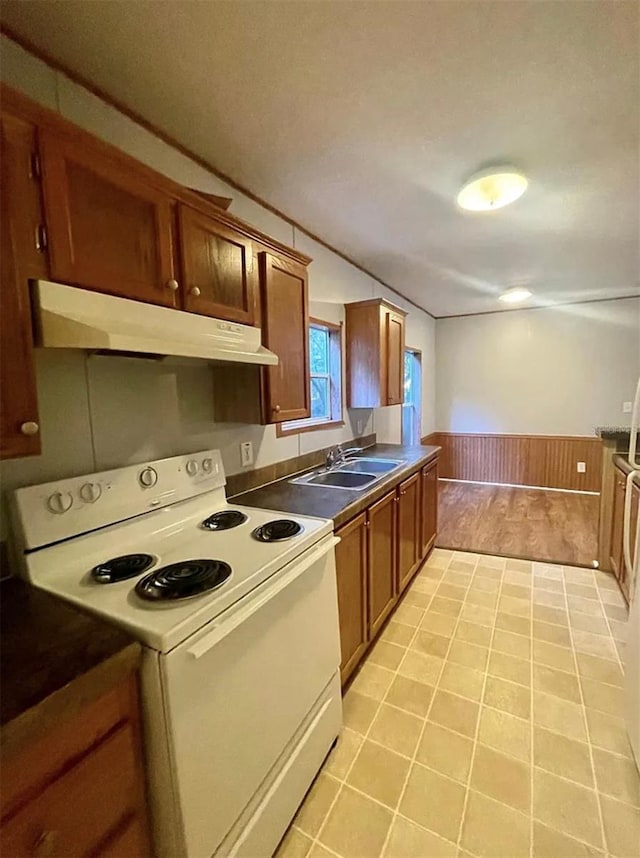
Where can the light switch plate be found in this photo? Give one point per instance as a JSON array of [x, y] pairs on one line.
[[246, 453], [626, 407], [581, 467]]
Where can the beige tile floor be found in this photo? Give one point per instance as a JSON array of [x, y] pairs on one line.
[[486, 721]]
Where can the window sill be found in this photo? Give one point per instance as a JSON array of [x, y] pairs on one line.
[[282, 432]]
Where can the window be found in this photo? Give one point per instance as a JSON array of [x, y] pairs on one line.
[[325, 376], [411, 409]]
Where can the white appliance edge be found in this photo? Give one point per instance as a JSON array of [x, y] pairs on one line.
[[276, 735], [632, 563]]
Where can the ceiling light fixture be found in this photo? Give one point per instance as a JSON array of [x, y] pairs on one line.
[[492, 189], [515, 295]]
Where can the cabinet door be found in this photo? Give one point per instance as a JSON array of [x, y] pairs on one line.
[[395, 357], [22, 255], [382, 532], [351, 571], [108, 230], [429, 510], [624, 577], [285, 331], [616, 558], [217, 269], [408, 529]]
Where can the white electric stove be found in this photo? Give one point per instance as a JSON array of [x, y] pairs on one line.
[[237, 610]]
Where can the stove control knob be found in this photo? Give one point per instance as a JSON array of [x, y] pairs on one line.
[[148, 477], [192, 467], [60, 502], [90, 492], [207, 465]]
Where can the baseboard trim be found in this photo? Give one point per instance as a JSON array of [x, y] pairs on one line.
[[592, 565], [519, 486]]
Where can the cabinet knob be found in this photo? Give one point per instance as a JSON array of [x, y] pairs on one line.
[[45, 844], [276, 408], [30, 428], [173, 285], [195, 291]]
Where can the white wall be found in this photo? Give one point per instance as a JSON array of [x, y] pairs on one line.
[[104, 412], [559, 371]]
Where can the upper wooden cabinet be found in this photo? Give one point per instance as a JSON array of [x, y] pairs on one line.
[[218, 275], [285, 330], [108, 230], [375, 353], [22, 255]]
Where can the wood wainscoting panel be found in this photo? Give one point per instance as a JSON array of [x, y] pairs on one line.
[[548, 461]]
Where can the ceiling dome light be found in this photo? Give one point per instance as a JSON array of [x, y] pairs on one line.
[[515, 295], [492, 189]]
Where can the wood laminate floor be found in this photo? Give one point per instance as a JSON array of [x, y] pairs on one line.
[[536, 524]]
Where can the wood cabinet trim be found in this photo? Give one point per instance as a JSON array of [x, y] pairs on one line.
[[379, 302]]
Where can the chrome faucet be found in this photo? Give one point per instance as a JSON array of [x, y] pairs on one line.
[[337, 455], [334, 456]]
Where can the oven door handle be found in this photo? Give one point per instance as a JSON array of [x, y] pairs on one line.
[[225, 627]]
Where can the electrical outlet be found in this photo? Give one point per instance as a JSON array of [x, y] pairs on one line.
[[626, 407], [581, 467], [359, 427], [246, 453]]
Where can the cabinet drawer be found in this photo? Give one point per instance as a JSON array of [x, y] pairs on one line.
[[81, 807]]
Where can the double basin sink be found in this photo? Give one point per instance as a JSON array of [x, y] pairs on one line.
[[355, 474]]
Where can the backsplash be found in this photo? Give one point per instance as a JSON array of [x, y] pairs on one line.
[[99, 412], [248, 480]]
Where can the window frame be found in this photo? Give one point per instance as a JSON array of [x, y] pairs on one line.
[[309, 424]]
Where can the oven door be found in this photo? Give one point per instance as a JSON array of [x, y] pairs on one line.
[[236, 692]]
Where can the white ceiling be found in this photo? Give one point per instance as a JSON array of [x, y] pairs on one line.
[[360, 120]]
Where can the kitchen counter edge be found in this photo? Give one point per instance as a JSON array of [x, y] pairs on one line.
[[340, 505]]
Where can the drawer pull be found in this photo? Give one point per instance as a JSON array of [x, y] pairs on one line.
[[195, 291], [29, 428], [45, 844], [173, 285]]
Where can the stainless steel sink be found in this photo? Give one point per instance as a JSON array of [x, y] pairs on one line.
[[364, 465], [355, 474], [338, 479]]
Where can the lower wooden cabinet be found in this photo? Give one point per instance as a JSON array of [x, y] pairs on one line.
[[409, 531], [428, 506], [382, 535], [78, 790], [616, 550], [379, 553], [351, 567]]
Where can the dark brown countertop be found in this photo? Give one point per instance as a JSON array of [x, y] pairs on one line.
[[622, 462], [46, 644], [339, 504]]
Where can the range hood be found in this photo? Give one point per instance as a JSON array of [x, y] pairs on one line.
[[70, 318]]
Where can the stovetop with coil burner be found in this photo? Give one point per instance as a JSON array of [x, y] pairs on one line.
[[154, 549]]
